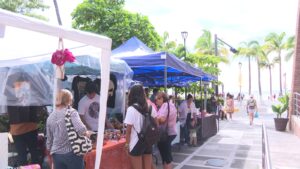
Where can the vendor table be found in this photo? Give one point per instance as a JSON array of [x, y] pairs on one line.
[[113, 156], [208, 126]]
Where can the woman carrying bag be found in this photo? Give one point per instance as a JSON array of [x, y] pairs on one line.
[[140, 154], [57, 135], [167, 114]]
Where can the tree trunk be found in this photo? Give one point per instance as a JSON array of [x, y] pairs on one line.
[[270, 73], [249, 63], [259, 80], [279, 55]]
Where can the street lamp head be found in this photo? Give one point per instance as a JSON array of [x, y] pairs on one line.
[[233, 50], [184, 34]]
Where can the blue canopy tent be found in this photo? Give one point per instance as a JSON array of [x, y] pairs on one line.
[[157, 68]]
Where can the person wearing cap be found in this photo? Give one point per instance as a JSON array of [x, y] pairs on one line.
[[251, 108]]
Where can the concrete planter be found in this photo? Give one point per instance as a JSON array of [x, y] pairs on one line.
[[280, 123]]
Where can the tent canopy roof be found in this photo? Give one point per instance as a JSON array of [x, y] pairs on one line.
[[22, 37], [132, 47], [148, 66]]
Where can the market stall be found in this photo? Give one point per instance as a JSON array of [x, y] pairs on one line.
[[157, 68], [26, 41], [113, 156]]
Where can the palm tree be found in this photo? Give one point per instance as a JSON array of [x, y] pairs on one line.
[[167, 46], [206, 45], [258, 58], [205, 54], [290, 47], [248, 50], [275, 42], [266, 63]]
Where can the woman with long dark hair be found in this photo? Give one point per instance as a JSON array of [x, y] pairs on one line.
[[140, 155], [167, 114]]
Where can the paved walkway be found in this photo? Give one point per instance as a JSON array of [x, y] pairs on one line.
[[239, 146]]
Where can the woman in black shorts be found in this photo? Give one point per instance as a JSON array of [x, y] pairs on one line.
[[140, 155]]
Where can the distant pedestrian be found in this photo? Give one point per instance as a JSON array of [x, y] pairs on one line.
[[213, 104], [251, 108], [229, 106], [153, 96]]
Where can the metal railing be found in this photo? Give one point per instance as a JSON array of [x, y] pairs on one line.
[[296, 104], [266, 160]]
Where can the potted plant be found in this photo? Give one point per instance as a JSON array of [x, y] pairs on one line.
[[279, 109]]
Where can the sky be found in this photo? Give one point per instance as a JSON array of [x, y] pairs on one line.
[[234, 21]]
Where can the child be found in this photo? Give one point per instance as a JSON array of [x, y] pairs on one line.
[[193, 132]]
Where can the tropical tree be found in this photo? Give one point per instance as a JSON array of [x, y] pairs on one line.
[[206, 45], [275, 42], [265, 62], [28, 7], [108, 17], [258, 57], [167, 46], [205, 56], [207, 62], [290, 47], [248, 50]]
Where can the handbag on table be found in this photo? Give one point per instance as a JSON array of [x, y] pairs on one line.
[[80, 144]]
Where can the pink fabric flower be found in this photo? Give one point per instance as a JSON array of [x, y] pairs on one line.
[[60, 57]]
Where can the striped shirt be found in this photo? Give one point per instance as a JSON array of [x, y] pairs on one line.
[[57, 136]]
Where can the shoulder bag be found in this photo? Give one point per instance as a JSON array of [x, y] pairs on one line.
[[80, 144]]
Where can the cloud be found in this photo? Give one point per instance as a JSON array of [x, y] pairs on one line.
[[235, 20]]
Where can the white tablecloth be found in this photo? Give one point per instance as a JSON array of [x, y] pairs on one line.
[[3, 150]]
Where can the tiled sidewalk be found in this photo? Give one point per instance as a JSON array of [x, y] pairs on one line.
[[239, 146]]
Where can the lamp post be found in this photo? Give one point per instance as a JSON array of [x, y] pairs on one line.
[[284, 78], [232, 49], [184, 35], [240, 78]]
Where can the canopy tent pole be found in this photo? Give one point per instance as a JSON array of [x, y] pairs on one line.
[[165, 72], [205, 96], [201, 98], [105, 67]]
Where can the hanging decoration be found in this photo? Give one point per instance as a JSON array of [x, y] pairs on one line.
[[60, 57]]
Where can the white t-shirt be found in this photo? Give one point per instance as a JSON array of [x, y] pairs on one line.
[[134, 118], [89, 108]]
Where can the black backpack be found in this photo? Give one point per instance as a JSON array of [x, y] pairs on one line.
[[149, 133]]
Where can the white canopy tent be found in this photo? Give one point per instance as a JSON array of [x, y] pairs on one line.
[[26, 40]]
